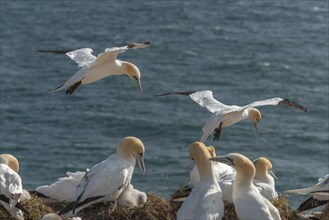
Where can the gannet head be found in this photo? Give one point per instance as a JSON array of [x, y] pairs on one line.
[[263, 168], [255, 116], [10, 160], [133, 72], [212, 151], [133, 147], [242, 165], [200, 154]]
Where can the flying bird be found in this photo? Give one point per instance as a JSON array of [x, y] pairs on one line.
[[319, 194], [248, 202], [226, 115], [108, 179], [96, 68]]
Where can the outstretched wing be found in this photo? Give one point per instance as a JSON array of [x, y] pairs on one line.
[[274, 101], [83, 57], [111, 54], [203, 98]]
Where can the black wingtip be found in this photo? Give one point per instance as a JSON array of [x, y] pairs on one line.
[[311, 203], [187, 93], [289, 103], [147, 42]]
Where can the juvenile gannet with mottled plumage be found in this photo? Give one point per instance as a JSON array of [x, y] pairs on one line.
[[108, 179], [265, 178], [248, 202], [224, 174], [11, 186], [319, 194], [96, 68], [205, 200], [226, 115]]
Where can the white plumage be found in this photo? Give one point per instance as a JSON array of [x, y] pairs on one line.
[[248, 202], [205, 200], [226, 115], [108, 179], [11, 188], [264, 178], [96, 68], [62, 190]]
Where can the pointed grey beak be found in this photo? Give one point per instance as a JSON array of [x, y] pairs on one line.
[[138, 84], [256, 126], [223, 159], [272, 174], [140, 161]]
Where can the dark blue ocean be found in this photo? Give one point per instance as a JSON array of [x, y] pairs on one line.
[[244, 50]]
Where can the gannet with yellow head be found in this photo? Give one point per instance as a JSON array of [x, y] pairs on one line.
[[265, 178], [248, 202], [107, 180], [11, 186], [224, 175], [96, 68], [205, 200], [227, 115]]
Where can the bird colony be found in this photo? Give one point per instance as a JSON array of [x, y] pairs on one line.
[[215, 180]]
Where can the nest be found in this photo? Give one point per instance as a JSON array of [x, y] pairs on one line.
[[155, 208]]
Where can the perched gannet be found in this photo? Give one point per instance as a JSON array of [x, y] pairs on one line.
[[224, 174], [226, 115], [131, 197], [10, 160], [319, 194], [108, 179], [265, 178], [205, 200], [13, 163], [11, 191], [248, 202], [96, 68], [62, 190]]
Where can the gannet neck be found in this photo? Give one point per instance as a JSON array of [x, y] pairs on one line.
[[130, 146], [254, 114], [10, 161], [262, 166], [130, 69], [244, 168], [200, 154]]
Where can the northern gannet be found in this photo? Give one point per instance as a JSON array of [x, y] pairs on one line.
[[248, 202], [265, 178], [108, 179], [226, 115], [96, 68], [319, 194], [205, 200]]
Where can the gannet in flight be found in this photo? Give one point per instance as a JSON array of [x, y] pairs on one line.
[[205, 200], [248, 202], [96, 68], [319, 194], [107, 180], [226, 115]]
